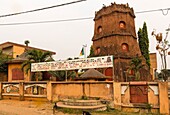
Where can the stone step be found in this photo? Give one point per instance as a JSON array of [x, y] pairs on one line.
[[100, 107], [73, 102]]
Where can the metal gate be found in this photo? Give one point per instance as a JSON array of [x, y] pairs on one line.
[[138, 93]]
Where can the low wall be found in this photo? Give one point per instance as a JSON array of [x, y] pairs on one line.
[[54, 91], [23, 90], [89, 89], [141, 97], [126, 96]]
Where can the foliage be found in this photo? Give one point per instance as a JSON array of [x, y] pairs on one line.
[[35, 56], [144, 43], [26, 42], [164, 74], [136, 65], [3, 60], [91, 52], [61, 75]]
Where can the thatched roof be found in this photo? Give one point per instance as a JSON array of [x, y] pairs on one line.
[[92, 74]]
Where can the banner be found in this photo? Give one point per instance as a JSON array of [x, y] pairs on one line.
[[86, 63]]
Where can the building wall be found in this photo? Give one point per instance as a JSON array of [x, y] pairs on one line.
[[113, 46], [163, 101], [13, 66], [17, 50], [8, 50], [112, 36], [157, 98], [153, 62], [3, 77], [109, 37], [93, 89]]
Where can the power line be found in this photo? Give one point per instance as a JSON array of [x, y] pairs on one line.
[[78, 19], [42, 8], [39, 22], [164, 13]]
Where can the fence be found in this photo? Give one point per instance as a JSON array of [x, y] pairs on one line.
[[23, 90], [131, 96]]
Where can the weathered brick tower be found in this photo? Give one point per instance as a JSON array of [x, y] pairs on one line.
[[114, 34]]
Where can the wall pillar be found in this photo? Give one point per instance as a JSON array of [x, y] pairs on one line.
[[163, 98], [49, 91], [0, 90], [117, 95], [21, 91]]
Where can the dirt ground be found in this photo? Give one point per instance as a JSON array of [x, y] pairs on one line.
[[15, 107]]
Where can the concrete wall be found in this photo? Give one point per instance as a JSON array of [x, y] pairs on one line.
[[16, 65], [87, 89], [157, 98], [153, 62], [10, 67], [164, 102], [23, 90], [17, 50], [116, 92]]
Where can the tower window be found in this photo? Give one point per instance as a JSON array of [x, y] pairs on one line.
[[97, 50], [122, 25], [125, 47], [99, 29]]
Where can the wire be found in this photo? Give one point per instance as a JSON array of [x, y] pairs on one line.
[[66, 20], [42, 8], [78, 19], [167, 9]]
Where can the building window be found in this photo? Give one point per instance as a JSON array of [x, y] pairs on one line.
[[125, 47], [122, 25], [97, 50], [99, 29], [17, 74]]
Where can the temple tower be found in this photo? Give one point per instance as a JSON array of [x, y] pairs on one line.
[[114, 34]]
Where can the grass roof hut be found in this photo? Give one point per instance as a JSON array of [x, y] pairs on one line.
[[92, 75]]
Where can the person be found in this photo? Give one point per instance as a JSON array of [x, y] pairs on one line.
[[54, 108], [86, 113]]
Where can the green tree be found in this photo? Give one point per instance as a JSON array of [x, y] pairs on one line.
[[165, 73], [136, 65], [3, 60], [144, 43], [26, 42], [63, 75], [35, 56], [91, 51]]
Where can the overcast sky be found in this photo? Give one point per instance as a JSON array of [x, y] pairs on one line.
[[67, 38]]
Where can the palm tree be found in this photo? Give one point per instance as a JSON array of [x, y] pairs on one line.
[[136, 65], [35, 56], [63, 75]]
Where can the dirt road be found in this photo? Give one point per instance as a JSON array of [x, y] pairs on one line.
[[14, 107]]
